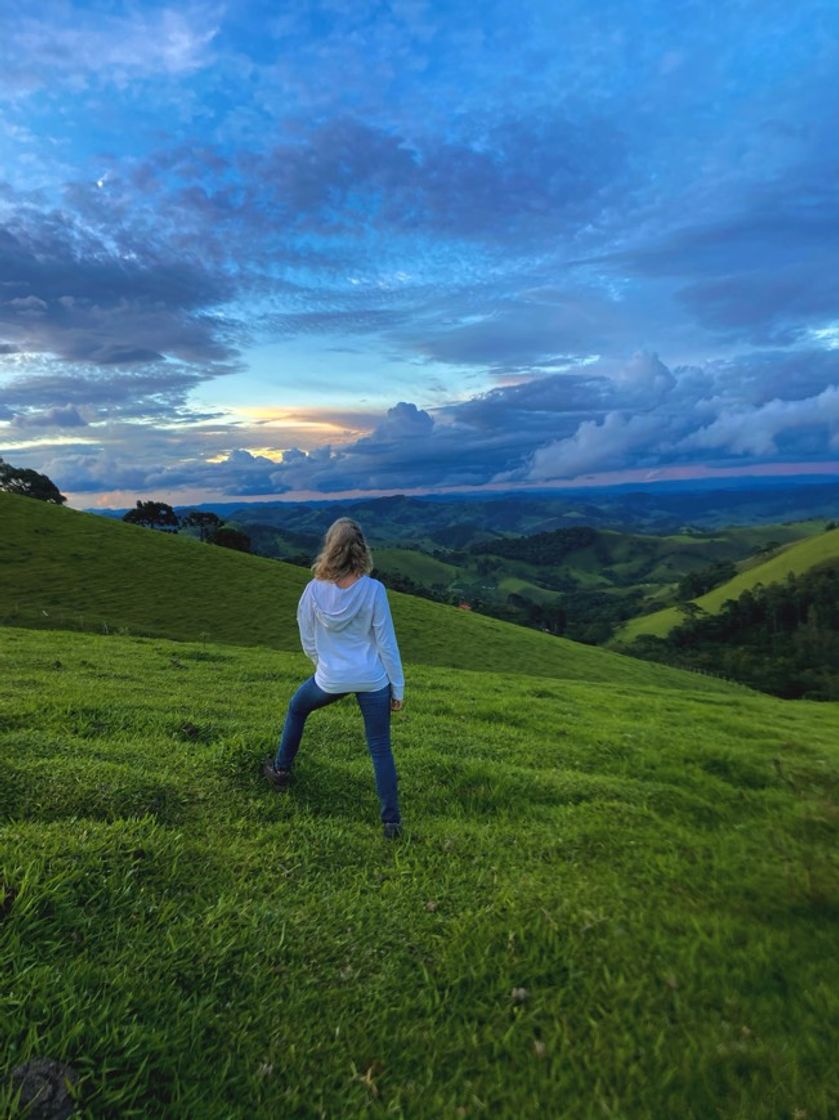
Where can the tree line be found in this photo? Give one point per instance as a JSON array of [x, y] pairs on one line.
[[781, 638], [539, 548], [150, 514], [211, 528]]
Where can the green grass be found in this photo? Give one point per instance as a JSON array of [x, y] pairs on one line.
[[654, 862], [797, 557], [513, 585], [418, 566], [63, 569], [621, 563]]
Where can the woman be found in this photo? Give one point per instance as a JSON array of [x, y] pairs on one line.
[[347, 631]]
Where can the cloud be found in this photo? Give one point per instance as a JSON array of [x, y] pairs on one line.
[[566, 425], [548, 429], [524, 176], [766, 308], [94, 470], [696, 411], [753, 379], [80, 47], [517, 204], [759, 272], [68, 417], [804, 427], [361, 320], [67, 294], [159, 392], [644, 379], [607, 445], [401, 451]]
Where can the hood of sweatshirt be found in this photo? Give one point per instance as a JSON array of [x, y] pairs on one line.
[[335, 606]]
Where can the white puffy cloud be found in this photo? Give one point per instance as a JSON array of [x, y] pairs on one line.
[[595, 446], [812, 423], [644, 377]]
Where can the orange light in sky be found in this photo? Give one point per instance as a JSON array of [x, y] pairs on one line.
[[312, 420]]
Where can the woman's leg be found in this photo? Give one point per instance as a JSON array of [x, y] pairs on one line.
[[306, 699], [375, 707]]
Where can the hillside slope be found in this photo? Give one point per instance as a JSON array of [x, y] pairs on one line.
[[60, 568], [610, 903], [796, 558]]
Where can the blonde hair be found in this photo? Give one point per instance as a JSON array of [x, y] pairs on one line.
[[344, 552]]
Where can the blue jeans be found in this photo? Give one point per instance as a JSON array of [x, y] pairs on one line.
[[375, 709]]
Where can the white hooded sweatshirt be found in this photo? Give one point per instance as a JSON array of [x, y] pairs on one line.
[[348, 633]]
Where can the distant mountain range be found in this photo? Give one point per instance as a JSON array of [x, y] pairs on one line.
[[663, 507]]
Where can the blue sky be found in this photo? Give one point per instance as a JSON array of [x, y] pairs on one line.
[[254, 250]]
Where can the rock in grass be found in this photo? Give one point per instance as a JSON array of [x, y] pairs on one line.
[[44, 1093], [519, 996]]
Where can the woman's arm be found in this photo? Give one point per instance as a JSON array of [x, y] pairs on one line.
[[385, 637], [306, 625]]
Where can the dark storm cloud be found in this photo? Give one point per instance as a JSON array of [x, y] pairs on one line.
[[521, 177], [67, 293], [767, 308], [790, 375], [95, 469], [49, 255], [559, 324], [762, 274], [142, 394], [535, 407]]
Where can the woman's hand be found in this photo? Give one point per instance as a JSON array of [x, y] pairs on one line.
[[396, 705]]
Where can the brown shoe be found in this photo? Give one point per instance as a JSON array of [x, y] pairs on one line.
[[277, 779]]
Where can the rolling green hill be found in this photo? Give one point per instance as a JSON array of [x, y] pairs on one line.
[[618, 885], [610, 902], [60, 568], [797, 557], [416, 565], [552, 569]]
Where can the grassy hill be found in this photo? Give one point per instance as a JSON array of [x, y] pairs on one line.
[[611, 902], [594, 578], [60, 568], [797, 557], [416, 565], [474, 551]]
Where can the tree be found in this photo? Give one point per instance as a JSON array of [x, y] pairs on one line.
[[231, 538], [690, 609], [153, 515], [205, 522], [29, 483], [698, 583]]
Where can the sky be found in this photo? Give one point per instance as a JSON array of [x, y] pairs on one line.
[[313, 249]]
